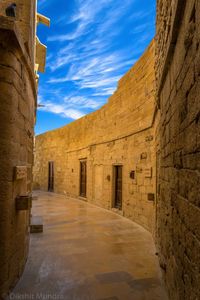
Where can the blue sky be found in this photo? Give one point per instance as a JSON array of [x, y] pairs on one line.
[[91, 45]]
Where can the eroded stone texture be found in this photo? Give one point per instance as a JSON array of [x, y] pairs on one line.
[[120, 133], [178, 83], [17, 114]]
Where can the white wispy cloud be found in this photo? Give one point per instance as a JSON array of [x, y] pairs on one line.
[[83, 102], [68, 108], [62, 110], [85, 16], [97, 72], [104, 92], [93, 54]]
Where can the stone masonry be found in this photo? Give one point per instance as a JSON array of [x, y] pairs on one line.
[[178, 151], [156, 139], [149, 128], [120, 133], [17, 117]]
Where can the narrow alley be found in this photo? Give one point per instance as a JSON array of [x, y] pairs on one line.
[[88, 253]]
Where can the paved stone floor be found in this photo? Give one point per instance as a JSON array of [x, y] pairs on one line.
[[88, 253]]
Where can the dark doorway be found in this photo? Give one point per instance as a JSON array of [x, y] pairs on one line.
[[118, 187], [51, 177], [83, 178]]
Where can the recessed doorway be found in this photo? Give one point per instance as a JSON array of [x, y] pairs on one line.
[[83, 178], [51, 176], [118, 187]]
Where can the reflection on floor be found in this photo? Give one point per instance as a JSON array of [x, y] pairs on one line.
[[88, 253]]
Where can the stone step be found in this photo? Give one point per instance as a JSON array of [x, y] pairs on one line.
[[36, 225]]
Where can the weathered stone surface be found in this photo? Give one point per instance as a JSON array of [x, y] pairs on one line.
[[36, 225], [158, 144], [17, 83], [119, 133], [178, 89]]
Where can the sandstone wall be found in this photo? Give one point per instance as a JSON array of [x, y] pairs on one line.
[[25, 21], [178, 154], [17, 115], [120, 133]]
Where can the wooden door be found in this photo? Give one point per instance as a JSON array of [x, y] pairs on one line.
[[118, 187], [83, 178], [51, 177]]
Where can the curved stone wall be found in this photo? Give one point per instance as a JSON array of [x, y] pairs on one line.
[[18, 94], [120, 133]]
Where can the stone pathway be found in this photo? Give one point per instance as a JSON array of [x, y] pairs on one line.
[[88, 253]]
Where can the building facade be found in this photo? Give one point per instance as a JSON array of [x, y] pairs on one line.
[[106, 157], [19, 59], [178, 140], [139, 154]]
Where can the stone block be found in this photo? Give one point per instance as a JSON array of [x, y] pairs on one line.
[[20, 172], [36, 225]]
